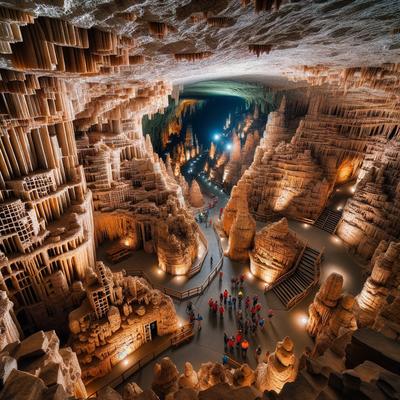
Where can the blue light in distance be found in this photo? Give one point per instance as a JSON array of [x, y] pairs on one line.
[[217, 136]]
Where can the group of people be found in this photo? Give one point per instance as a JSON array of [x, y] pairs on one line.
[[248, 318], [192, 316]]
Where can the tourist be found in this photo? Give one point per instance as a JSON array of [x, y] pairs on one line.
[[261, 323], [253, 327], [270, 313], [239, 338], [225, 296], [255, 300], [247, 302], [230, 302], [221, 275], [225, 340], [221, 297], [234, 302], [192, 318], [258, 308], [245, 346], [253, 313], [215, 307], [221, 311], [231, 343], [199, 319], [210, 303], [240, 297], [225, 359], [242, 279], [258, 353], [211, 261], [247, 327], [233, 283], [189, 307]]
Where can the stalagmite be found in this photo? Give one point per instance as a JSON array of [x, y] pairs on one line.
[[195, 195], [276, 250]]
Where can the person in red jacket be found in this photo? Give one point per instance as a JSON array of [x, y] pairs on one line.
[[226, 294], [239, 338], [231, 343], [221, 311]]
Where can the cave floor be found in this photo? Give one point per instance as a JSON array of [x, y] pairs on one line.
[[208, 344]]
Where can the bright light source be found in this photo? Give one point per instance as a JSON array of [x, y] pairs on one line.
[[217, 136], [249, 275], [339, 208], [126, 362], [303, 320], [126, 242], [306, 225], [353, 189], [229, 146]]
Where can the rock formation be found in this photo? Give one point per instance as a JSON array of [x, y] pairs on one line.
[[189, 378], [331, 314], [279, 370], [9, 326], [241, 233], [165, 377], [114, 320], [41, 368], [384, 276], [276, 251], [195, 196], [324, 304]]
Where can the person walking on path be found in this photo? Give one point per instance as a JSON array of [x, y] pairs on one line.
[[199, 319], [225, 341], [221, 311], [221, 275], [240, 297], [270, 313], [225, 296], [210, 303], [245, 346], [215, 307], [221, 297], [247, 303], [211, 261], [230, 302], [255, 300], [239, 338], [261, 323], [234, 302], [231, 344], [225, 359]]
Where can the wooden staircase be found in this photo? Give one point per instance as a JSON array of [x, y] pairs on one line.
[[328, 220], [298, 285]]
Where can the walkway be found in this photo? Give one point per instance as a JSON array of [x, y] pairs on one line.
[[207, 345]]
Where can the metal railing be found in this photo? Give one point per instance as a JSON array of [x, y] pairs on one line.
[[188, 293]]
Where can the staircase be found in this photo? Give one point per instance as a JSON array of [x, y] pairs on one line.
[[328, 220], [296, 286]]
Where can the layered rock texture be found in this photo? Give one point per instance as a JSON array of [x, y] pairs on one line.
[[195, 196], [331, 314], [276, 251], [114, 320]]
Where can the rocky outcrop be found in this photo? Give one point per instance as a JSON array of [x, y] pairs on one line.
[[276, 250], [165, 379], [331, 314], [41, 368], [195, 196], [279, 370], [9, 326], [384, 276], [241, 233]]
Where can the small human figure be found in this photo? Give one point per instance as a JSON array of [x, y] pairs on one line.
[[221, 275], [215, 307], [225, 340], [225, 359], [245, 346], [258, 308], [261, 323], [231, 344], [221, 297], [192, 318], [239, 338], [199, 319], [241, 279], [234, 301], [255, 300], [240, 297], [221, 311], [230, 302], [225, 296], [210, 303], [247, 302], [211, 261], [189, 307], [270, 313]]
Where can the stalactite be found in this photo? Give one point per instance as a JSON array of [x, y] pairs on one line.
[[192, 56], [158, 29], [220, 22], [259, 49]]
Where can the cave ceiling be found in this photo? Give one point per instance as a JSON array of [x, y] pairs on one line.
[[327, 35]]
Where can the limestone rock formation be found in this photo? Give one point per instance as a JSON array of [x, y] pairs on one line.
[[384, 276], [276, 250], [324, 304], [243, 376], [241, 233], [280, 368], [211, 374], [165, 377], [39, 365], [387, 320], [9, 326], [195, 195], [331, 314], [189, 378], [114, 320], [177, 242]]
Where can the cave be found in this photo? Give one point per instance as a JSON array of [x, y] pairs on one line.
[[199, 199]]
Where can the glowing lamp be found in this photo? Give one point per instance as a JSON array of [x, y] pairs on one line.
[[217, 136], [229, 146], [126, 362], [303, 320]]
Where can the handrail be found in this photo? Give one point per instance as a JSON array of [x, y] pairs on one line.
[[145, 359], [188, 293]]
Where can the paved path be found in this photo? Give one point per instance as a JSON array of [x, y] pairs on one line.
[[207, 345]]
